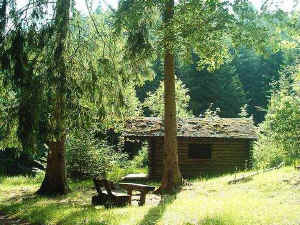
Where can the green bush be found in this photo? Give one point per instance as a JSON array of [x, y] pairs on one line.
[[141, 159], [279, 134], [138, 164], [88, 157], [117, 172]]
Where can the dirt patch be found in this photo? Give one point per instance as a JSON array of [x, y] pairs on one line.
[[295, 180], [8, 220]]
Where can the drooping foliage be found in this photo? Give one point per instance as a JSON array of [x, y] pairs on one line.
[[63, 74], [106, 95], [93, 54], [8, 119], [21, 50], [206, 28]]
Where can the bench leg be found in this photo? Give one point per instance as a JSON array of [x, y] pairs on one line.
[[129, 192], [142, 198]]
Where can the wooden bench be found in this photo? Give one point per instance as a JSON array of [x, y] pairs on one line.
[[110, 196], [143, 189]]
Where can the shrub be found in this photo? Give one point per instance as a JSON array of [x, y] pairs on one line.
[[279, 134], [154, 102], [88, 157], [141, 159], [117, 172]]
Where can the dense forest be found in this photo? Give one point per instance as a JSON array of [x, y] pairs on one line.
[[246, 79]]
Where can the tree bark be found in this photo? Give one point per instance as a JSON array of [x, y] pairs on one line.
[[171, 178], [55, 177]]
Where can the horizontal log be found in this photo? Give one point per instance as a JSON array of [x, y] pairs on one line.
[[205, 161], [210, 163], [231, 157], [245, 177]]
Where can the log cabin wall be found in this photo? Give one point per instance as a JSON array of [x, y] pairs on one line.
[[226, 155], [151, 156]]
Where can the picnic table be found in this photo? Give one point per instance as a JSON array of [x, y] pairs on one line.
[[110, 195], [142, 188]]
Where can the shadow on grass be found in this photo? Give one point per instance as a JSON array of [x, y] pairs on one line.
[[22, 197], [86, 215], [38, 209], [155, 213], [19, 203]]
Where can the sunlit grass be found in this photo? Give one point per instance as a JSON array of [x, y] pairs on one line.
[[269, 198]]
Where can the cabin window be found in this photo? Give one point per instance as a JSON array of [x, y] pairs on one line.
[[199, 151]]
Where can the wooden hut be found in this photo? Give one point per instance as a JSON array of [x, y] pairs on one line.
[[204, 144]]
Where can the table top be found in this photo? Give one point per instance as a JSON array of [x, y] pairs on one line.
[[134, 186]]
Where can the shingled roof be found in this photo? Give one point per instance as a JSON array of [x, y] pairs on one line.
[[241, 128]]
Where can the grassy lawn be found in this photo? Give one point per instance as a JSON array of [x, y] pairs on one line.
[[270, 198]]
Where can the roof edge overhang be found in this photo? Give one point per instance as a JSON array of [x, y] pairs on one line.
[[160, 136]]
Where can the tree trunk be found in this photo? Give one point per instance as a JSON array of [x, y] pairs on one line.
[[171, 178], [55, 181], [55, 178]]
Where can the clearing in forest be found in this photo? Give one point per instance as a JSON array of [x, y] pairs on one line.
[[269, 198]]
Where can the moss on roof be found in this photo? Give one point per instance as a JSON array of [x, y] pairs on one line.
[[242, 128]]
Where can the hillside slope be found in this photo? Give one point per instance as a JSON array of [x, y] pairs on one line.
[[269, 198]]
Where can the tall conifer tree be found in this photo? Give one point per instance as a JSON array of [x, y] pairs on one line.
[[55, 177], [171, 173]]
